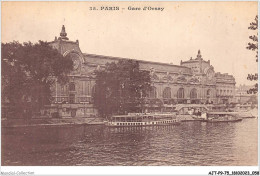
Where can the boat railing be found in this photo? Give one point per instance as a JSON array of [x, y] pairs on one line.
[[142, 118]]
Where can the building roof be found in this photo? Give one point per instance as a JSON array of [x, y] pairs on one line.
[[158, 66]]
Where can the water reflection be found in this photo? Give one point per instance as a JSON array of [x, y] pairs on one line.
[[190, 143]]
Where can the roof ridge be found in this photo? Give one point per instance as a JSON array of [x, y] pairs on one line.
[[113, 57]]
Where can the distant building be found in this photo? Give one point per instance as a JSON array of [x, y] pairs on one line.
[[243, 97], [193, 81]]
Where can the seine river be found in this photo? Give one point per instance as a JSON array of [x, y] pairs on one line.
[[188, 144]]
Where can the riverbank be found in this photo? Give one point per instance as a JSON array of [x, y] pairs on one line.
[[45, 121], [50, 122], [34, 122]]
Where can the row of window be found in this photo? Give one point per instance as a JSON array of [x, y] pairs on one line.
[[85, 88], [72, 99], [152, 94], [224, 92], [132, 124], [180, 93], [136, 124]]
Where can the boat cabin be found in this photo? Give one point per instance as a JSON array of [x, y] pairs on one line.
[[191, 109], [143, 120]]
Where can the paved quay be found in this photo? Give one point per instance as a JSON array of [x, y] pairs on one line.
[[50, 122]]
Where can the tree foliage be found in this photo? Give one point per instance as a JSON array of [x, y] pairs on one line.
[[28, 72], [121, 88], [253, 45]]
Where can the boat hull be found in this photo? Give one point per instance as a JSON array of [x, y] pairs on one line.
[[246, 115], [221, 121]]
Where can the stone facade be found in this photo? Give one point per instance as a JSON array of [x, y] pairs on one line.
[[193, 81], [242, 97]]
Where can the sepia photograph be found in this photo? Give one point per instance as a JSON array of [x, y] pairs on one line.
[[129, 84]]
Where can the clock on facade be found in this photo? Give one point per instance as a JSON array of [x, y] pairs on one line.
[[76, 60], [210, 74]]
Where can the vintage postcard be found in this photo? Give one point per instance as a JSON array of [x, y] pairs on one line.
[[129, 84]]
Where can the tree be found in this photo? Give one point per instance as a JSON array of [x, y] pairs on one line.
[[121, 88], [28, 72], [254, 47]]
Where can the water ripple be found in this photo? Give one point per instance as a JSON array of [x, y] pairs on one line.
[[189, 144]]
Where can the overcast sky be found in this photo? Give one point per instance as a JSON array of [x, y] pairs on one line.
[[218, 29]]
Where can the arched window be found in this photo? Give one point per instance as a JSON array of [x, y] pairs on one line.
[[154, 76], [72, 86], [93, 90], [180, 93], [152, 93], [208, 93], [193, 94], [71, 98], [167, 93], [87, 88]]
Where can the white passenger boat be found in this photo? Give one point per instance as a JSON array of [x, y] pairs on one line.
[[142, 119]]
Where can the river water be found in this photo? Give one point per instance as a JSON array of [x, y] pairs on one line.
[[188, 144]]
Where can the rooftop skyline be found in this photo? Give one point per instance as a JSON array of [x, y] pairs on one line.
[[218, 29]]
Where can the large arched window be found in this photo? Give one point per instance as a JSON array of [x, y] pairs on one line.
[[71, 98], [193, 94], [86, 89], [93, 91], [152, 93], [209, 96], [180, 93], [72, 86], [208, 93], [167, 93], [63, 89]]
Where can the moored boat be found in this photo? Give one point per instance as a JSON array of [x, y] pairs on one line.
[[142, 119], [252, 113], [223, 117], [191, 112]]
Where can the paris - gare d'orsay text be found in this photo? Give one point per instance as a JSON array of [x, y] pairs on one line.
[[129, 8]]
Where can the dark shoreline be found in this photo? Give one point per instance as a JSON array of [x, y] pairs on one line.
[[16, 123]]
